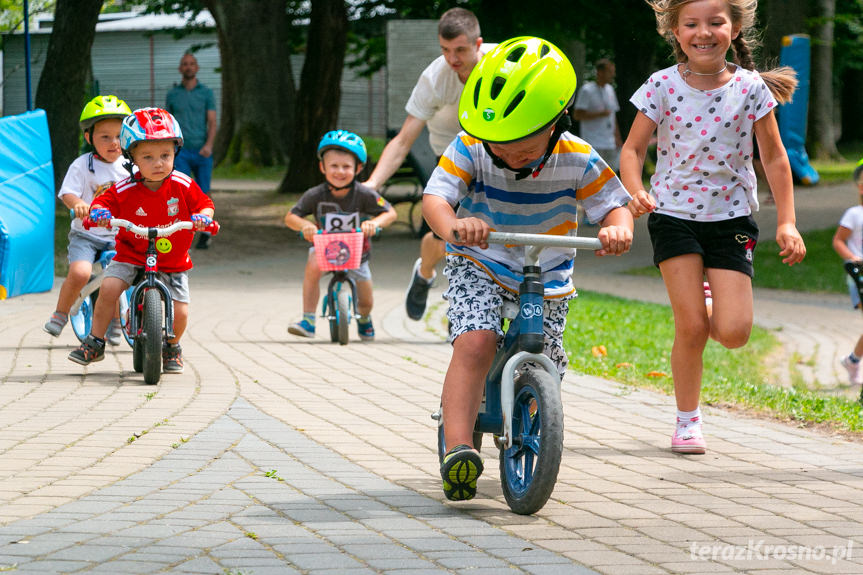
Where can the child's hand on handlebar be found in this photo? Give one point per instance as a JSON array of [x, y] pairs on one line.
[[370, 228], [81, 210], [308, 231], [201, 221], [470, 232], [101, 216], [616, 240]]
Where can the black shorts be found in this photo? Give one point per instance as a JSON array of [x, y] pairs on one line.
[[723, 244]]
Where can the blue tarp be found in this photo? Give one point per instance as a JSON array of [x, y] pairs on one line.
[[26, 205], [793, 115]]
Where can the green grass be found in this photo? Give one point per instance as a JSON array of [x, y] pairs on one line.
[[820, 271], [638, 338]]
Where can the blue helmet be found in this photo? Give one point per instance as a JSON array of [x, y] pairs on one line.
[[343, 140]]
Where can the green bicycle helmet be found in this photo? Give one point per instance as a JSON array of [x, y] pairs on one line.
[[521, 87], [102, 108], [858, 170]]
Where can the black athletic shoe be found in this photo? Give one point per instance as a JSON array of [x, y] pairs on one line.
[[418, 293], [90, 350]]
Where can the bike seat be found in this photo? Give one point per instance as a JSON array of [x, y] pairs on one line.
[[106, 257]]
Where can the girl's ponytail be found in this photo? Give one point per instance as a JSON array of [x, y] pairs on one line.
[[782, 81]]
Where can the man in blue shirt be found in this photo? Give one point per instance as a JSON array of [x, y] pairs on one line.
[[194, 106]]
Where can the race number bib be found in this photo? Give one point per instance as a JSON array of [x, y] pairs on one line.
[[339, 222]]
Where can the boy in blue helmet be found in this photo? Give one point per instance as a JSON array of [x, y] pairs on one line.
[[339, 204]]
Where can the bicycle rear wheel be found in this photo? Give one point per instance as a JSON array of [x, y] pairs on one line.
[[125, 316], [82, 321], [344, 314], [151, 346], [528, 470]]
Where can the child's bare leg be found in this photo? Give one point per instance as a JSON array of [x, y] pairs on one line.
[[181, 320], [365, 297], [106, 304], [858, 349], [683, 280], [77, 278], [311, 285], [731, 320], [472, 355]]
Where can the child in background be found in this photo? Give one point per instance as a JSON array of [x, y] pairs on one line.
[[156, 196], [340, 199], [848, 243], [87, 177], [705, 111]]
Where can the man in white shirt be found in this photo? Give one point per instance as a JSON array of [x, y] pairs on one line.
[[433, 103], [596, 109]]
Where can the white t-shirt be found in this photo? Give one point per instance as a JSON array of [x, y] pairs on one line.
[[704, 143], [852, 219], [88, 177], [599, 132], [435, 101]]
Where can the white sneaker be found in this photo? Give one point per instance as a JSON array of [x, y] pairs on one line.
[[855, 374]]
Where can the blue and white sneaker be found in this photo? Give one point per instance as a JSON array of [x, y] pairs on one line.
[[302, 328], [366, 330]]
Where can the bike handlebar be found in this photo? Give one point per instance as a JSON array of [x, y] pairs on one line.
[[212, 228], [543, 240]]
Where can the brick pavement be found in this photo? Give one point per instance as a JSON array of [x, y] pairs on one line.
[[101, 473]]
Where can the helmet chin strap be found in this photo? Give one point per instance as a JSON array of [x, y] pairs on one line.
[[562, 125], [335, 188]]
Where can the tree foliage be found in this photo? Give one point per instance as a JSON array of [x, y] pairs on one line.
[[61, 90]]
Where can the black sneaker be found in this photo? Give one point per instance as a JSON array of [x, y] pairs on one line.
[[203, 241], [172, 358], [90, 350], [418, 293]]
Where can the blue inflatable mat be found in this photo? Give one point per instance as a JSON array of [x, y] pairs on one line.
[[793, 115], [26, 205]]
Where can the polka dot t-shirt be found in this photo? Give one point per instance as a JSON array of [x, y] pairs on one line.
[[704, 143]]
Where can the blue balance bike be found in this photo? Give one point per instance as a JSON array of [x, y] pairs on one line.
[[522, 406]]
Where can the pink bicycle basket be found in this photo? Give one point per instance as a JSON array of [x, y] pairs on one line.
[[338, 251]]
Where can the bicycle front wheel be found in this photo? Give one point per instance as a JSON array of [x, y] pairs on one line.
[[152, 337], [344, 314], [528, 470]]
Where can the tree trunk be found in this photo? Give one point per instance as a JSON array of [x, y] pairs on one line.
[[781, 18], [257, 87], [821, 118], [317, 109], [61, 90]]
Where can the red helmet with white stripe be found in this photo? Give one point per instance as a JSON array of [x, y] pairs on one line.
[[150, 124]]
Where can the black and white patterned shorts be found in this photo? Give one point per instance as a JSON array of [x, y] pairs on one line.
[[475, 304]]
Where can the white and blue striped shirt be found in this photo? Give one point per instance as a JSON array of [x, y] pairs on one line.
[[546, 204]]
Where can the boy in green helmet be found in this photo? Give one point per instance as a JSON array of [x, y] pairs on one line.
[[514, 168], [848, 243], [87, 177]]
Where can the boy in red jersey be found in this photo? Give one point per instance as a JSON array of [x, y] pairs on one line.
[[156, 196]]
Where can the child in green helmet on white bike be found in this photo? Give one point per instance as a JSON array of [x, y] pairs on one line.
[[87, 177], [514, 168]]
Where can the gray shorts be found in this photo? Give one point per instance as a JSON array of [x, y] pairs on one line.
[[177, 282], [83, 247], [362, 273], [475, 304]]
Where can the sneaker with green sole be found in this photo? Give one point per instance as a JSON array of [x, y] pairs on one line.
[[460, 469]]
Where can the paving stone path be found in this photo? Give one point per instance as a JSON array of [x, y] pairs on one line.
[[272, 454]]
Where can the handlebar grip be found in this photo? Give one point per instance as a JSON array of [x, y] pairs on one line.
[[213, 228], [88, 223]]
